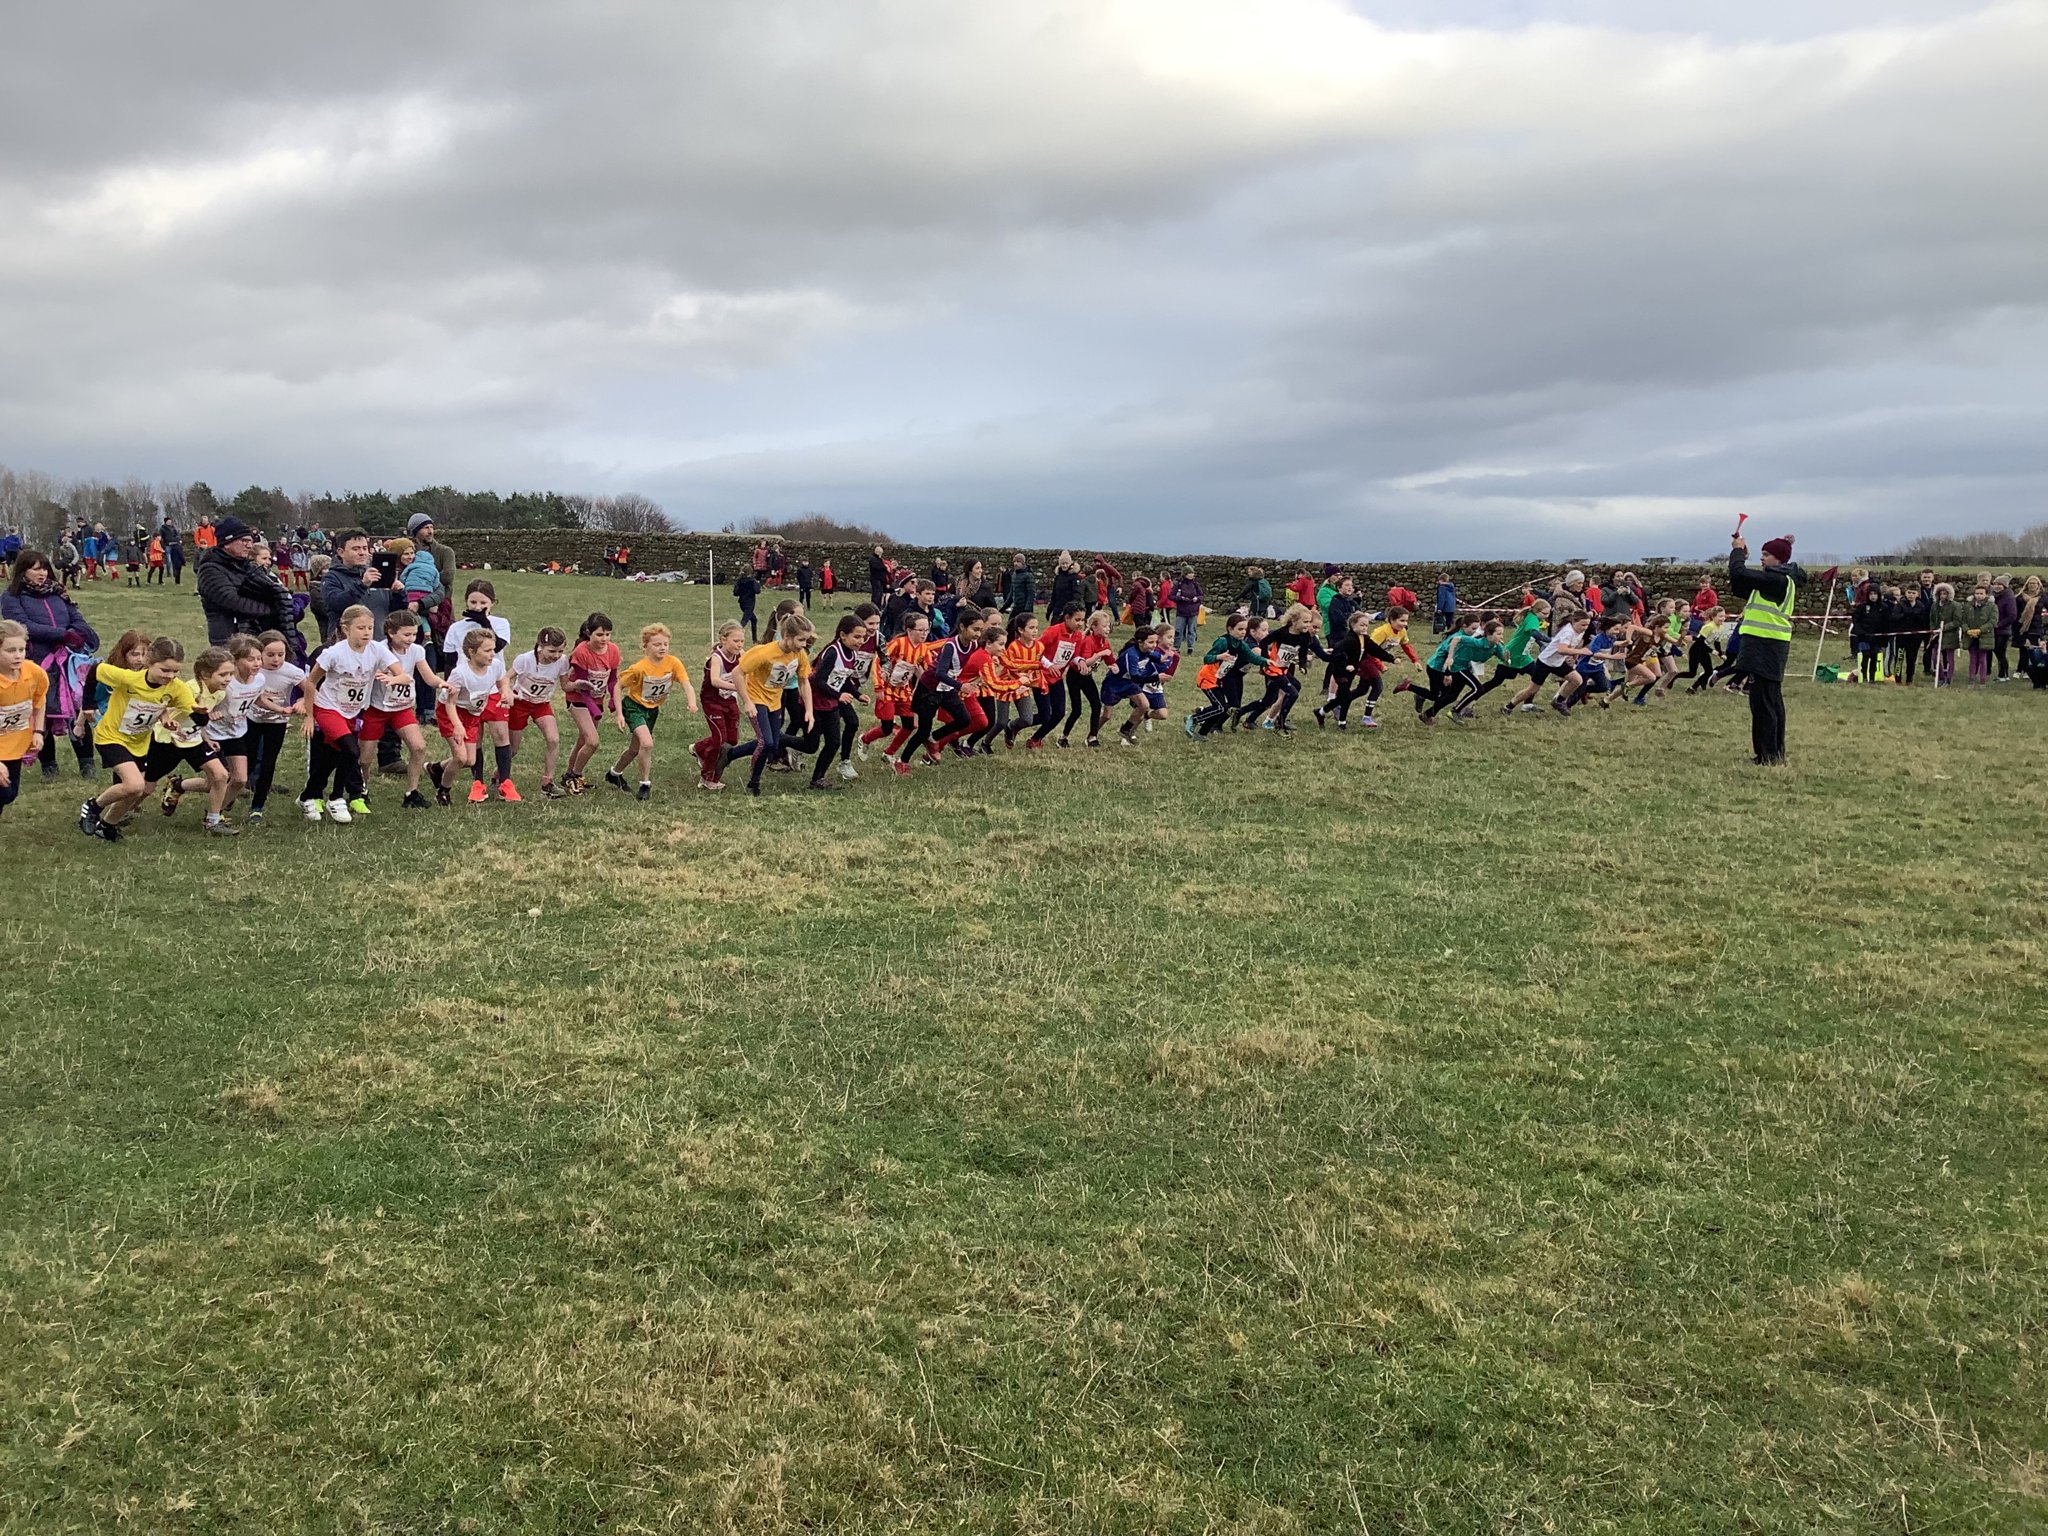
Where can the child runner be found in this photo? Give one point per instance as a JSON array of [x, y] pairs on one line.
[[24, 701], [1468, 652], [1139, 667], [181, 740], [1231, 659], [1285, 645], [1523, 642], [472, 698], [720, 698], [278, 698], [1024, 657], [136, 701], [767, 671], [1009, 681], [592, 690], [897, 669], [644, 687], [1356, 666], [835, 689], [393, 703], [227, 725], [938, 688], [340, 684], [1060, 643], [1093, 652], [536, 674]]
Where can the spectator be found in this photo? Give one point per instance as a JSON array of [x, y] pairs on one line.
[[1020, 591], [1187, 609], [878, 576], [238, 595], [350, 580]]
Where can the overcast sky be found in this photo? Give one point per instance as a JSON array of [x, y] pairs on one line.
[[1459, 277]]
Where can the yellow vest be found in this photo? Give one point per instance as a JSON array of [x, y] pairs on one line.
[[1768, 620]]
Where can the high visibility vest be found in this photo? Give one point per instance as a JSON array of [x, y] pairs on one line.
[[1768, 620]]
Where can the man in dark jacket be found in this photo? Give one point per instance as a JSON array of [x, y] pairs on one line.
[[352, 580], [1765, 630], [1021, 595], [239, 596], [878, 576]]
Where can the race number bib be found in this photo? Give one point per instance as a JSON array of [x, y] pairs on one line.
[[781, 674], [139, 717], [15, 717], [395, 695], [1225, 663], [271, 707], [653, 690], [535, 690], [900, 674], [1288, 654], [837, 679], [354, 692], [1062, 654]]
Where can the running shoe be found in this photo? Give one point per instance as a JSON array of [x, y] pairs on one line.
[[172, 795], [254, 818], [359, 806], [552, 790], [1187, 724], [509, 791], [616, 779], [710, 784], [413, 801], [1372, 721], [311, 808], [338, 811], [1035, 744], [645, 792], [848, 771], [219, 828], [477, 793], [902, 769]]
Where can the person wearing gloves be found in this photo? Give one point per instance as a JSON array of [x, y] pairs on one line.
[[1768, 593]]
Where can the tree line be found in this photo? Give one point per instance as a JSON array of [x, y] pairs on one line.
[[2027, 547], [42, 506]]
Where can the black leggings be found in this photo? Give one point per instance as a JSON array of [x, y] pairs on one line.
[[1451, 691], [327, 760], [1081, 686], [929, 705], [266, 745], [1502, 674], [1356, 685], [1052, 708], [1225, 699], [831, 736]]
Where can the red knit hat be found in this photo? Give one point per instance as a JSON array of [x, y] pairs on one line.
[[1779, 549]]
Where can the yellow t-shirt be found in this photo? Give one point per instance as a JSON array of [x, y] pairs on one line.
[[182, 730], [648, 683], [768, 669], [134, 707], [19, 701]]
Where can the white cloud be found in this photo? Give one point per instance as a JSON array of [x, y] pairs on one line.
[[1217, 269]]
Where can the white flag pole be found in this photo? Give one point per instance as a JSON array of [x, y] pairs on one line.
[[711, 594], [1824, 631]]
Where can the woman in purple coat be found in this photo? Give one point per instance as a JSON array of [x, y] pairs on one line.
[[57, 632]]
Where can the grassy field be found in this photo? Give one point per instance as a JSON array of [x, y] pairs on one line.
[[1536, 1126]]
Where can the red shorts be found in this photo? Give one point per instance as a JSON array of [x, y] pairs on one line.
[[377, 723], [454, 722], [333, 727], [524, 710]]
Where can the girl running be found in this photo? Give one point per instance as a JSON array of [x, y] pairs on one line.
[[187, 740], [340, 684], [767, 671], [1093, 652], [1139, 668], [24, 703], [393, 703], [720, 696], [1286, 644], [897, 669], [1059, 643], [475, 698], [1356, 667], [1231, 659], [1468, 652], [592, 691], [643, 688], [535, 676], [278, 698], [835, 689], [136, 700], [938, 689]]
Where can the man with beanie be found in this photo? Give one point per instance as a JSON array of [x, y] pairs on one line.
[[420, 529], [1765, 632], [238, 596]]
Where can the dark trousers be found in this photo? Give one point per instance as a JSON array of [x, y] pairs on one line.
[[1767, 718], [1225, 700], [1081, 688], [1052, 708]]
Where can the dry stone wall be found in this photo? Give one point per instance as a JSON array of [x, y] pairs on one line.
[[1221, 576]]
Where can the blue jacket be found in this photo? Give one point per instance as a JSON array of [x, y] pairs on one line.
[[1446, 597], [47, 618]]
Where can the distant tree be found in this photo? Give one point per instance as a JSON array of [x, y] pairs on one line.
[[628, 513], [815, 528], [2027, 547], [200, 500]]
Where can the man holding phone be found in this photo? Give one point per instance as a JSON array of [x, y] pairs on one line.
[[353, 579]]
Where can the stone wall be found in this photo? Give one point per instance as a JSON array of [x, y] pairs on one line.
[[1221, 577]]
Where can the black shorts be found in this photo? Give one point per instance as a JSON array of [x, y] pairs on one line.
[[1541, 671], [113, 755], [233, 746], [166, 757]]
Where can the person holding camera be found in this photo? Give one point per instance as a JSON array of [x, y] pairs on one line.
[[354, 579]]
